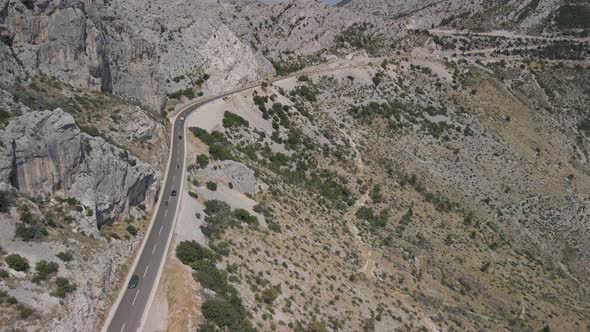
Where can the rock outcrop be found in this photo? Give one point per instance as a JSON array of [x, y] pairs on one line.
[[79, 43], [44, 153]]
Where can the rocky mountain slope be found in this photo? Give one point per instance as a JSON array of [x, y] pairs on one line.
[[400, 198], [535, 16], [65, 188], [426, 169]]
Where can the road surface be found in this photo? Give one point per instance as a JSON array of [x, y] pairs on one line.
[[129, 312]]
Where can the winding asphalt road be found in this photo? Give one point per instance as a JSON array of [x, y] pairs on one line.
[[132, 306], [130, 310]]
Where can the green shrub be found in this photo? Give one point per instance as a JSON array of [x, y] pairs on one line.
[[213, 278], [29, 232], [4, 274], [211, 185], [188, 92], [45, 269], [202, 161], [226, 314], [245, 217], [231, 120], [573, 16], [358, 36], [219, 147], [366, 213], [65, 256], [584, 126], [24, 312], [90, 130], [131, 230], [17, 263], [6, 201], [270, 294], [25, 214], [189, 252], [218, 218], [64, 287]]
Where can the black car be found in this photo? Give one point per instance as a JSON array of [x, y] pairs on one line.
[[133, 281], [173, 193], [179, 136]]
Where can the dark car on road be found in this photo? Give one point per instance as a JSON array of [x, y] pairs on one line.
[[179, 136], [133, 281], [173, 193]]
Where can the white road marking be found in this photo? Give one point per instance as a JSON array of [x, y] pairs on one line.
[[135, 298], [165, 212], [160, 230], [122, 327], [155, 245], [147, 267]]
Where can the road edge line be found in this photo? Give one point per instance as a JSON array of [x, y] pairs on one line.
[[116, 304], [156, 285]]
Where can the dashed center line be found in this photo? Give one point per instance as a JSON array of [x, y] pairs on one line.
[[135, 298], [165, 212], [123, 327], [155, 245], [147, 267], [160, 229]]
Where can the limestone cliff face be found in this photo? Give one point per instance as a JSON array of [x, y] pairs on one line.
[[41, 152], [82, 44], [45, 153]]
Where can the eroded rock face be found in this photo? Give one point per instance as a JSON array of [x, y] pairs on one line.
[[112, 181], [41, 152], [44, 153], [82, 44]]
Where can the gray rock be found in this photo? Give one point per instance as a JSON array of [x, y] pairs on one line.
[[242, 178], [45, 153]]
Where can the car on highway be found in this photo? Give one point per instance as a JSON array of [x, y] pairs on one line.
[[179, 136], [173, 193], [133, 281], [182, 118]]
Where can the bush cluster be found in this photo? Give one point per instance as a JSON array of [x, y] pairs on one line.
[[44, 270], [226, 311], [231, 120], [17, 263], [219, 147], [64, 287]]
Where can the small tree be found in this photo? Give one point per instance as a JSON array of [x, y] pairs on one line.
[[45, 269], [131, 230], [65, 256], [64, 286], [211, 185], [17, 263], [6, 201], [202, 161]]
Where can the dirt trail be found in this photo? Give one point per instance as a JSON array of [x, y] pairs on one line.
[[505, 34], [365, 250]]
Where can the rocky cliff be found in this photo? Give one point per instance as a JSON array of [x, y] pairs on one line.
[[44, 153], [81, 44]]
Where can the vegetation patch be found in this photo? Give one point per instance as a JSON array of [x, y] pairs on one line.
[[17, 263], [219, 146], [571, 16], [64, 287], [232, 120], [226, 310]]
